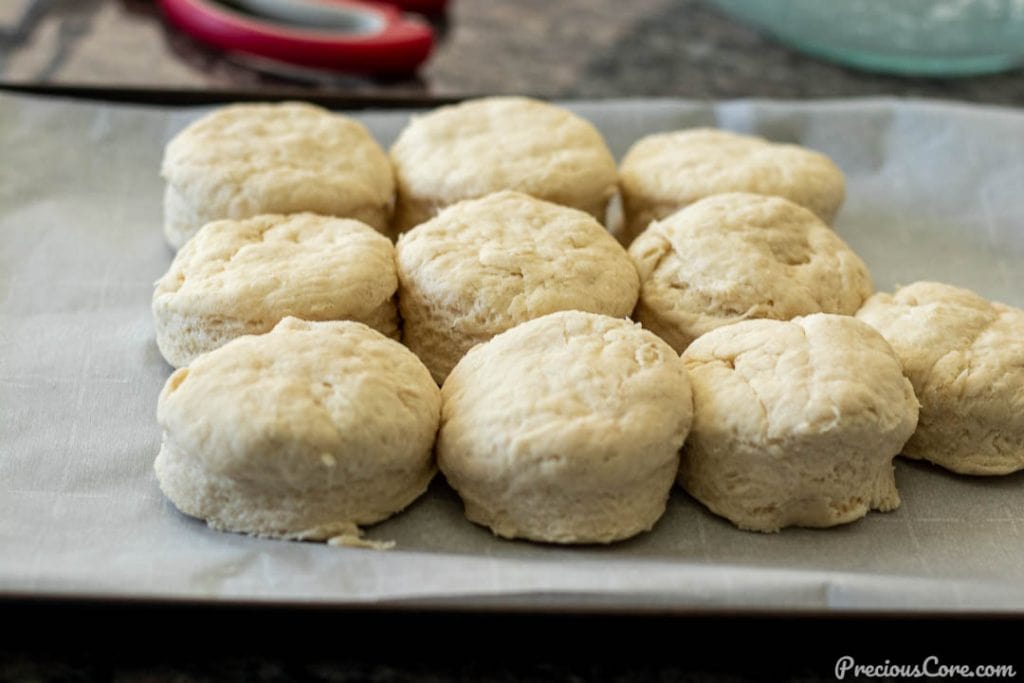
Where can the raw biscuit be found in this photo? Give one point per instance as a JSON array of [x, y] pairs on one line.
[[301, 433], [795, 423], [249, 159], [965, 357], [242, 277], [565, 429], [738, 256], [662, 173], [485, 265], [500, 143]]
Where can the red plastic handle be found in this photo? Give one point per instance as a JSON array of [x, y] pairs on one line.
[[399, 47]]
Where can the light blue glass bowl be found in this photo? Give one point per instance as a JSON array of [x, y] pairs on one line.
[[919, 37]]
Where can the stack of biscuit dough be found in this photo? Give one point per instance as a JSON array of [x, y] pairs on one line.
[[345, 322]]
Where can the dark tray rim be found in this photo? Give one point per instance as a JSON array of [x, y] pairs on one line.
[[185, 97]]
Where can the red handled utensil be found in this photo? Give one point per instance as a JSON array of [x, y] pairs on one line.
[[339, 35]]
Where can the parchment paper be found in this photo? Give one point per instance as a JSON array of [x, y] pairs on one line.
[[935, 191]]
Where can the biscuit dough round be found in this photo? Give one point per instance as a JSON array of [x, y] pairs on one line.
[[242, 277], [739, 256], [485, 265], [301, 433], [795, 423], [485, 145], [565, 429], [248, 159], [964, 355], [662, 173]]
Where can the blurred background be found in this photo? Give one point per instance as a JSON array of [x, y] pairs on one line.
[[126, 49]]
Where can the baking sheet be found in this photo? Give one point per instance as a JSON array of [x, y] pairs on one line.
[[935, 191]]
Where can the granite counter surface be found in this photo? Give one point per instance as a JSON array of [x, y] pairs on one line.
[[564, 49]]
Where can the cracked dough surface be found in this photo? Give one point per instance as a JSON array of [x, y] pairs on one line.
[[795, 423], [662, 173], [301, 433], [242, 277], [485, 145], [739, 256], [965, 356], [248, 159], [566, 429], [483, 266]]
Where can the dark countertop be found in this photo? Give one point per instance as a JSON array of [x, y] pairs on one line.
[[564, 49], [556, 49], [139, 643]]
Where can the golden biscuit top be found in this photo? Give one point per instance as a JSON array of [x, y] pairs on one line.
[[778, 382], [956, 343], [498, 143], [563, 391], [494, 262], [317, 267], [273, 407], [737, 256], [684, 166]]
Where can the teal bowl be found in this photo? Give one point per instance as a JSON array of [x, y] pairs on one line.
[[912, 37]]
